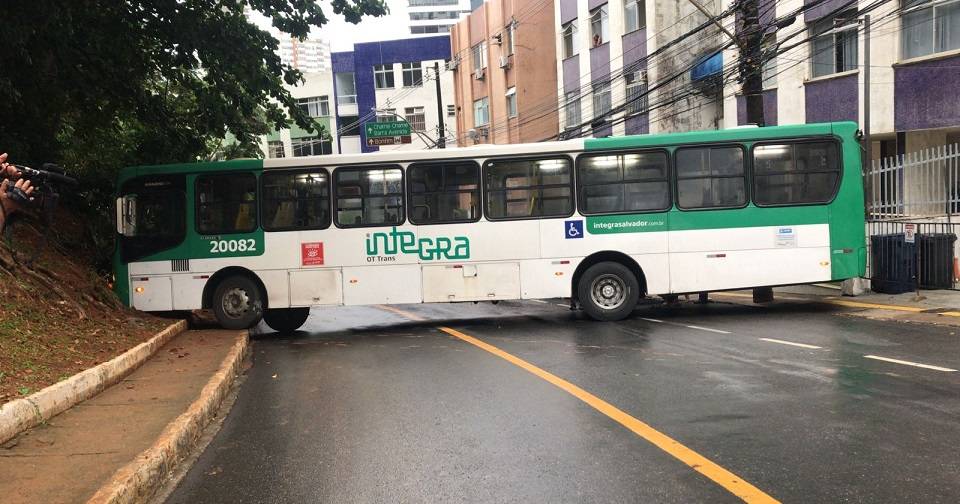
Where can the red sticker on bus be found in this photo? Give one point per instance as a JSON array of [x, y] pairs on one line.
[[311, 254]]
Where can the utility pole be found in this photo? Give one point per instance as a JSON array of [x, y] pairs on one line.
[[442, 141], [868, 147], [751, 60]]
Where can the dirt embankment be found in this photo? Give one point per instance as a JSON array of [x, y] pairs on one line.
[[57, 314]]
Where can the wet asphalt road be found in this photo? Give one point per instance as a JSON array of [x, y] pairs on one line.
[[365, 405]]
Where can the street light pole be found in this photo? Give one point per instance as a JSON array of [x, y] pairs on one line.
[[442, 141]]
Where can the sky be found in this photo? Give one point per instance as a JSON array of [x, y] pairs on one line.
[[342, 35]]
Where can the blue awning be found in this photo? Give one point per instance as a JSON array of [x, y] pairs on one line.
[[712, 66]]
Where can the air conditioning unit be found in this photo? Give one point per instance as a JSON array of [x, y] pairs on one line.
[[504, 61], [479, 73], [453, 63]]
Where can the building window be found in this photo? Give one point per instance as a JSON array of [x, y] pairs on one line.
[[412, 74], [835, 46], [795, 174], [512, 102], [275, 149], [570, 42], [599, 26], [432, 3], [528, 188], [370, 196], [383, 76], [710, 177], [349, 126], [601, 100], [571, 109], [636, 91], [346, 88], [451, 111], [479, 56], [416, 117], [930, 26], [387, 115], [226, 204], [295, 200], [769, 65], [310, 146], [315, 106], [508, 34], [634, 15], [481, 112], [635, 182], [444, 192]]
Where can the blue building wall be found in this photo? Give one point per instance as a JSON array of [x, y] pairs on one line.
[[365, 55]]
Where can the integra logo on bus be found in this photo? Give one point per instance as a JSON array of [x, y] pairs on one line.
[[404, 242]]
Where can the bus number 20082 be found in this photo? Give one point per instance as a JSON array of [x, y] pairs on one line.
[[225, 246]]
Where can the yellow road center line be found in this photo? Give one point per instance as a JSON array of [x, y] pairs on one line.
[[733, 483], [402, 313], [838, 302]]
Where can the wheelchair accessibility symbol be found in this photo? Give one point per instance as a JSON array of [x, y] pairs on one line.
[[574, 229]]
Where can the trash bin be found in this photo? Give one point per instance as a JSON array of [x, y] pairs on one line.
[[893, 264], [936, 260]]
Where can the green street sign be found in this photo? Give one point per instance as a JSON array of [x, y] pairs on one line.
[[387, 129]]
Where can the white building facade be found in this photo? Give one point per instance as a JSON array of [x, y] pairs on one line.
[[430, 17], [315, 97]]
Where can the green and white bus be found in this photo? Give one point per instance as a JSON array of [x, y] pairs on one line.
[[603, 222]]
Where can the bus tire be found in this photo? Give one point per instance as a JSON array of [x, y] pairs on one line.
[[286, 320], [238, 302], [608, 291]]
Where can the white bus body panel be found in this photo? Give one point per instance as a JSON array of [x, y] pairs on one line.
[[156, 295], [315, 287], [471, 282], [366, 285]]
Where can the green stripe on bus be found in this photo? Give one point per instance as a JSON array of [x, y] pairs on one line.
[[677, 220]]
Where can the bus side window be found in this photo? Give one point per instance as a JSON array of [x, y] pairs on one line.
[[294, 200], [528, 188], [710, 177], [369, 196], [444, 192], [226, 203], [795, 174], [619, 183]]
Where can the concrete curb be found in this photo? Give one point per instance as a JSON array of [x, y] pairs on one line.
[[139, 480], [21, 414]]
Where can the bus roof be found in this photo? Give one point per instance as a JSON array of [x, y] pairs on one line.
[[483, 151]]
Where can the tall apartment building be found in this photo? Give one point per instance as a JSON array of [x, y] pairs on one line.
[[608, 81], [309, 55], [393, 80], [315, 97], [505, 73], [915, 68], [436, 16]]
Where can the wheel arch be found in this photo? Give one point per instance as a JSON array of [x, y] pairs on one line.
[[607, 256], [219, 276]]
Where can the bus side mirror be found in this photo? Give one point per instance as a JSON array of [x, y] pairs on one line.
[[126, 215]]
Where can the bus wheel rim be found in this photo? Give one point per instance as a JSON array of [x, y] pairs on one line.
[[608, 291], [235, 302]]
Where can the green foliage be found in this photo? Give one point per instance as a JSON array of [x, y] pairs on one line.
[[96, 85]]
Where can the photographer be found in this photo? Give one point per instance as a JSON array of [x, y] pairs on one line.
[[15, 192]]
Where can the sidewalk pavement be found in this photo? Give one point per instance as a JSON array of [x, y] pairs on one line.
[[69, 458]]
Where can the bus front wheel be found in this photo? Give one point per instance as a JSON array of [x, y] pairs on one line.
[[238, 303], [286, 320], [608, 291]]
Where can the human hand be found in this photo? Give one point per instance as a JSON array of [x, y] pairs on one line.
[[8, 170], [16, 198]]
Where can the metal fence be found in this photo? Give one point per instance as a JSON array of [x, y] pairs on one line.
[[913, 220]]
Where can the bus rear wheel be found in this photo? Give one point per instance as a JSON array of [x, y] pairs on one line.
[[608, 291], [286, 320], [238, 303]]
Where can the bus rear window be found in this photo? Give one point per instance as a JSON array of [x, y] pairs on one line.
[[795, 174], [295, 200], [619, 183], [369, 196], [528, 188], [226, 203]]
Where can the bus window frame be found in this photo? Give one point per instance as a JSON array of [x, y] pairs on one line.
[[669, 180], [747, 174], [793, 141], [445, 162], [294, 171], [335, 189], [136, 185], [196, 200], [536, 157]]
